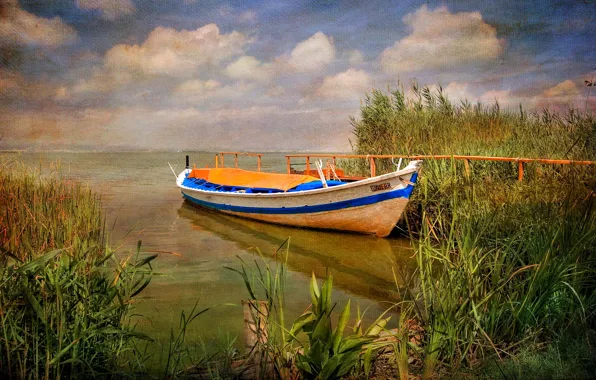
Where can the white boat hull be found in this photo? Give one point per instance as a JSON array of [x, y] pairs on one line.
[[371, 206]]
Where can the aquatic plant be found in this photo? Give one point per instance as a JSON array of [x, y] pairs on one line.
[[326, 353], [64, 294], [503, 266], [329, 354]]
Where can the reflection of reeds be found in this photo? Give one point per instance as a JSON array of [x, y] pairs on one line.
[[64, 295]]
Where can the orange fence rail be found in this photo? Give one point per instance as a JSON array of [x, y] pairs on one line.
[[466, 159], [220, 157]]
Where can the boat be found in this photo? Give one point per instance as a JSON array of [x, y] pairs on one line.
[[370, 206]]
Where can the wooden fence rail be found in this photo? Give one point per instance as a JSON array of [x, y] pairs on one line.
[[371, 157], [219, 160]]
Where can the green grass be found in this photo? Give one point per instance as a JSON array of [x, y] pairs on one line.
[[566, 358]]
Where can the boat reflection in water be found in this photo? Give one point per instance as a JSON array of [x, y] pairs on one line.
[[360, 264]]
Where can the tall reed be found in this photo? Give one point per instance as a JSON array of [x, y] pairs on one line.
[[64, 295], [501, 263]]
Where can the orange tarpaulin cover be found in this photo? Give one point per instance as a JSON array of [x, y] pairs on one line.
[[245, 178]]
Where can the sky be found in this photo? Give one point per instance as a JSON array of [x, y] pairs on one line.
[[270, 75]]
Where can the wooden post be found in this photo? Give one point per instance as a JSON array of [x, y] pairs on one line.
[[334, 164], [222, 160], [467, 167], [236, 160], [520, 170], [288, 165], [255, 323], [308, 165], [373, 167], [259, 162], [216, 161]]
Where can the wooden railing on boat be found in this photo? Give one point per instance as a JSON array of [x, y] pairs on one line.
[[219, 159], [222, 155]]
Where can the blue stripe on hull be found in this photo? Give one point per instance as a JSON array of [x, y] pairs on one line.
[[402, 193]]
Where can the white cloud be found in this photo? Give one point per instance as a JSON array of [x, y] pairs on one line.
[[441, 39], [196, 86], [109, 9], [355, 57], [563, 95], [101, 81], [503, 97], [457, 91], [249, 68], [167, 51], [195, 91], [313, 54], [19, 26], [565, 89], [349, 84]]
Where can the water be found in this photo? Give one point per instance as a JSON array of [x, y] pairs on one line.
[[142, 202]]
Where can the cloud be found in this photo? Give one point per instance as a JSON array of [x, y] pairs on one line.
[[40, 128], [15, 88], [564, 89], [351, 84], [313, 54], [457, 92], [102, 81], [440, 39], [503, 97], [249, 68], [109, 9], [310, 55], [355, 57], [62, 93], [197, 86], [561, 96], [196, 91], [21, 27], [167, 51]]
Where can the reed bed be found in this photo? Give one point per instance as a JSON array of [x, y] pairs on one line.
[[503, 266], [64, 294]]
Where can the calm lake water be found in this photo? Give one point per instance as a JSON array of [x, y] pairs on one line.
[[142, 202]]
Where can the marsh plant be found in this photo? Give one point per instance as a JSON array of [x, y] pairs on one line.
[[503, 266], [311, 348], [64, 295]]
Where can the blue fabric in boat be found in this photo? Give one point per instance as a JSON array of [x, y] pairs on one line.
[[201, 184], [315, 185]]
